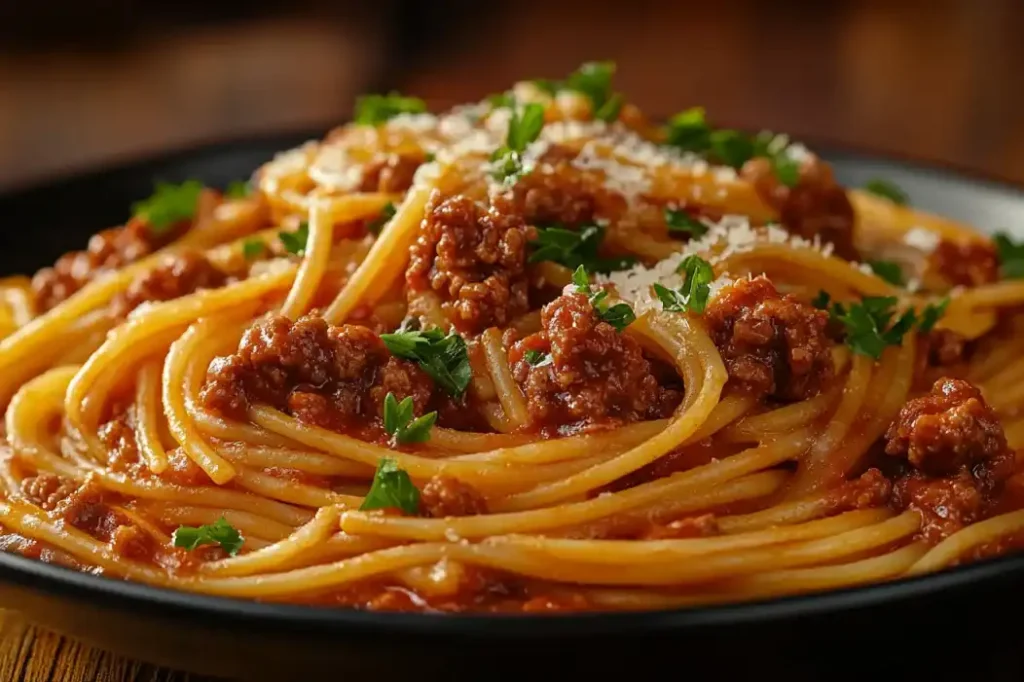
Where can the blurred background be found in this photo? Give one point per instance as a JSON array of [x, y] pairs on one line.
[[93, 82]]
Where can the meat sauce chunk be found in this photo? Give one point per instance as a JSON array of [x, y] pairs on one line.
[[958, 455], [107, 250], [772, 345], [816, 207], [175, 276], [46, 490], [596, 376], [968, 264], [474, 259], [448, 496], [333, 377]]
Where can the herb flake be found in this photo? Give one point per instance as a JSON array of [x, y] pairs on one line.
[[391, 489], [218, 533], [443, 357], [169, 205]]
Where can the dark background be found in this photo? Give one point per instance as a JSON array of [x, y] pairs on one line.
[[84, 82]]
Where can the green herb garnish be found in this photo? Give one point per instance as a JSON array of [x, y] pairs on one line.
[[619, 315], [1011, 256], [399, 422], [238, 189], [679, 220], [881, 187], [689, 131], [535, 358], [887, 270], [594, 79], [931, 314], [872, 324], [523, 128], [443, 357], [573, 248], [295, 242], [253, 248], [218, 533], [391, 489], [376, 109], [169, 205], [502, 99], [695, 290], [386, 214]]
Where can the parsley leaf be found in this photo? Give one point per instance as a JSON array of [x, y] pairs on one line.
[[689, 131], [1011, 256], [547, 85], [444, 358], [378, 223], [169, 204], [870, 324], [391, 489], [238, 189], [619, 315], [535, 358], [502, 99], [399, 422], [889, 271], [594, 80], [218, 533], [731, 147], [253, 248], [931, 314], [881, 187], [679, 220], [295, 242], [786, 170], [693, 294], [573, 248], [376, 109], [523, 128], [822, 300]]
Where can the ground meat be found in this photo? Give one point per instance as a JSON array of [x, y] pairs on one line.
[[772, 345], [946, 430], [390, 175], [175, 276], [47, 490], [958, 451], [871, 489], [474, 259], [968, 264], [118, 435], [447, 496], [596, 375], [107, 250], [816, 207], [87, 510], [334, 377], [557, 192]]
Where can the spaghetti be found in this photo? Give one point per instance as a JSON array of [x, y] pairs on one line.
[[530, 354]]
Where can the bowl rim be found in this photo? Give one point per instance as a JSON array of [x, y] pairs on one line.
[[250, 614]]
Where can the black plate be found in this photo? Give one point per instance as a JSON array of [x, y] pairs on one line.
[[931, 625]]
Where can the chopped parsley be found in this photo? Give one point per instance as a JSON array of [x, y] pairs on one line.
[[889, 271], [378, 223], [690, 131], [679, 220], [400, 424], [443, 357], [1011, 256], [295, 242], [238, 189], [169, 205], [573, 248], [376, 109], [619, 315], [391, 489], [872, 324], [535, 358], [523, 128], [881, 187], [694, 293], [218, 533], [547, 85], [502, 99], [253, 248], [594, 80]]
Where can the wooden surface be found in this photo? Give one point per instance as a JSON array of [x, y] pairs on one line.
[[937, 79], [29, 654]]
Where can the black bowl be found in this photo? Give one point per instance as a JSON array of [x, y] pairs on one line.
[[946, 625]]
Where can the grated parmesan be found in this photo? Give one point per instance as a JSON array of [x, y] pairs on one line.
[[922, 239]]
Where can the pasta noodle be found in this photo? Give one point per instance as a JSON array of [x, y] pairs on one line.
[[529, 354]]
